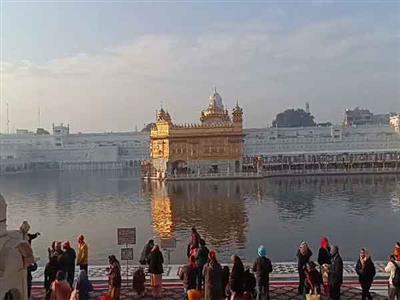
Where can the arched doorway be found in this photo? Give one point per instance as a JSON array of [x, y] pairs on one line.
[[179, 167]]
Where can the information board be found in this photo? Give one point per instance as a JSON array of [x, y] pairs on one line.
[[126, 236], [168, 243], [127, 254]]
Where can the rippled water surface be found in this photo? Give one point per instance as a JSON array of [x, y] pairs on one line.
[[233, 216]]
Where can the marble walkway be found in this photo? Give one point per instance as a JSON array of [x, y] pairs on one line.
[[277, 293], [283, 282], [282, 271]]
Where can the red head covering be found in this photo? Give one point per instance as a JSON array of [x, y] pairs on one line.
[[324, 243], [212, 256]]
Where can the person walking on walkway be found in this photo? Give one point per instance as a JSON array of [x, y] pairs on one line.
[[212, 278], [335, 274], [145, 255], [156, 270], [83, 286], [69, 257], [201, 260], [392, 268], [262, 267], [366, 272], [83, 254], [236, 278], [114, 277], [60, 288], [188, 274], [303, 257]]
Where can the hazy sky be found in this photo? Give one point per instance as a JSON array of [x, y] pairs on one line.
[[108, 65]]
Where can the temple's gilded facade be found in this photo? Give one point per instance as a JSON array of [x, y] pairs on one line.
[[214, 145]]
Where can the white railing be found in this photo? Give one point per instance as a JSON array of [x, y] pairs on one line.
[[243, 175]]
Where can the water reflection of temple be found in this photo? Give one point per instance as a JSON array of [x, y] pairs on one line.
[[217, 209]]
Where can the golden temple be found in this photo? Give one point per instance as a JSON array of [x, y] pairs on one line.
[[215, 145]]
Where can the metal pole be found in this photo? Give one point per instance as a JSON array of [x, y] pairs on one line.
[[127, 269]]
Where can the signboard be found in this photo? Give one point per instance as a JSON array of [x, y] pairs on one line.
[[168, 243], [127, 254], [126, 236]]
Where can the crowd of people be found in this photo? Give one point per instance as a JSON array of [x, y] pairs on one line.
[[324, 277], [204, 275]]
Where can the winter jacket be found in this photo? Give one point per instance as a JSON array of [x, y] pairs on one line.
[[213, 281], [336, 270], [261, 268], [366, 272], [236, 279], [50, 272], [145, 255], [69, 257], [302, 260], [202, 256], [114, 275], [156, 262], [188, 275], [324, 256]]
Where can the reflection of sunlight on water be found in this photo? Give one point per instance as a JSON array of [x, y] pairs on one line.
[[395, 202], [162, 217]]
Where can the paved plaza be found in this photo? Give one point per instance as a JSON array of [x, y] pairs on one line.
[[277, 292], [282, 271], [283, 282]]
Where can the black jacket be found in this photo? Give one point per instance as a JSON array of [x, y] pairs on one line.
[[336, 271], [302, 260], [324, 256], [262, 267], [236, 279], [156, 261], [69, 257], [367, 272], [50, 272], [145, 255]]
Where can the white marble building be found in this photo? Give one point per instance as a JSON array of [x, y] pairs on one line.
[[117, 150], [64, 150], [334, 139]]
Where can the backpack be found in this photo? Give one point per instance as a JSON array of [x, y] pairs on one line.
[[396, 277]]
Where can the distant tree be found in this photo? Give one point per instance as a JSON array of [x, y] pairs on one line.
[[148, 127], [293, 118], [324, 124], [42, 131]]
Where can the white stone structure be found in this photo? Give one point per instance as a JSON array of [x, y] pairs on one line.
[[309, 140], [62, 150], [13, 274]]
